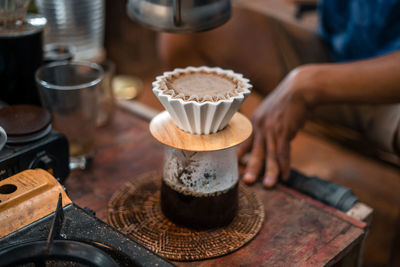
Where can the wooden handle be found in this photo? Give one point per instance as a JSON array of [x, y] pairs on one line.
[[27, 197], [166, 132]]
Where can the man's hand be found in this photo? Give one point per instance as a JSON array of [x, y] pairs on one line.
[[275, 122], [283, 112]]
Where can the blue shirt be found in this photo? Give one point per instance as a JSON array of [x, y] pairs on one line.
[[357, 29]]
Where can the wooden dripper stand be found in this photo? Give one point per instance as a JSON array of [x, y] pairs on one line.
[[200, 174]]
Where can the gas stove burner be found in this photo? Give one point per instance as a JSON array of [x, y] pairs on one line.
[[25, 123], [29, 137], [68, 252], [61, 251], [68, 236]]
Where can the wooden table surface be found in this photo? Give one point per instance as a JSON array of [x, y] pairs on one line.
[[297, 231]]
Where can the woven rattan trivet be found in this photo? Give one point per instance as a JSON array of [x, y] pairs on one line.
[[135, 210]]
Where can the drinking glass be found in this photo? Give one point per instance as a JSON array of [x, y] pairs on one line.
[[75, 22], [106, 94], [69, 91], [12, 11]]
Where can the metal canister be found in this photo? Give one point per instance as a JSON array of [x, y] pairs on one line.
[[21, 54]]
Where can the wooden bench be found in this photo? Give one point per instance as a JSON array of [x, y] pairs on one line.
[[297, 230]]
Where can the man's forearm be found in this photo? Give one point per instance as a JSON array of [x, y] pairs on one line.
[[372, 81]]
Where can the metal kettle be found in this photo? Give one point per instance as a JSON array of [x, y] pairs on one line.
[[179, 16]]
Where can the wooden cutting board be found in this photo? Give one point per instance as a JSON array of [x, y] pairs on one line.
[[27, 197]]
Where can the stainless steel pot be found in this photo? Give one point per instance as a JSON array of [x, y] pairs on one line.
[[179, 16]]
